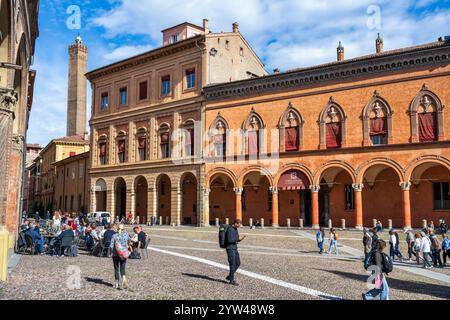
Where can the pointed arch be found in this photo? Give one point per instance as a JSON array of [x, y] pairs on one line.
[[253, 130], [427, 117], [377, 121], [290, 126], [218, 135], [332, 126]]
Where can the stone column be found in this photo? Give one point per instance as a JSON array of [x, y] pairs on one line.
[[133, 203], [275, 213], [315, 206], [176, 205], [205, 222], [93, 199], [111, 204], [112, 145], [131, 142], [151, 204], [238, 192], [406, 186], [358, 188]]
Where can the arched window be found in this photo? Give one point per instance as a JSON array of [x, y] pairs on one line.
[[164, 141], [102, 150], [218, 137], [291, 130], [142, 145], [332, 126], [121, 147], [377, 122], [253, 130], [427, 121]]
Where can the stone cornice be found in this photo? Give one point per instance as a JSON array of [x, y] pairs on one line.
[[145, 57], [427, 56]]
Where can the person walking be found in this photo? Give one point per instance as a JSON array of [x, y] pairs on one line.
[[381, 285], [119, 246], [232, 239], [379, 227], [445, 248], [417, 246], [436, 248], [367, 242], [426, 250], [410, 243], [394, 244], [320, 237], [333, 241]]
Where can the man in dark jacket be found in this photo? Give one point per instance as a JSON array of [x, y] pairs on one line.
[[232, 239]]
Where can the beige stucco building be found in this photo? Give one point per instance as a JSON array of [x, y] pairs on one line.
[[146, 155]]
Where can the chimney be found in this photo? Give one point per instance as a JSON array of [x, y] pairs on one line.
[[86, 136], [235, 27], [340, 52], [206, 25], [379, 44]]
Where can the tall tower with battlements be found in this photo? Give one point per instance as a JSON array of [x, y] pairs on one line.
[[76, 98]]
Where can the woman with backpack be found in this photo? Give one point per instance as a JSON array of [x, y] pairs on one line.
[[119, 247], [384, 267]]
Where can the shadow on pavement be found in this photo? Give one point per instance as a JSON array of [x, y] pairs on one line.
[[438, 291], [99, 281], [197, 276]]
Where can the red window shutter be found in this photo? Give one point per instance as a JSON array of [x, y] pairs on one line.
[[427, 127], [378, 126], [165, 138], [292, 139], [121, 146], [102, 149], [253, 142], [143, 90], [334, 135], [142, 141]]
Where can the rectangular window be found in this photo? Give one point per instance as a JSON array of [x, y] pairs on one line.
[[102, 153], [220, 145], [123, 92], [349, 197], [165, 139], [165, 86], [189, 142], [291, 139], [334, 135], [105, 101], [441, 196], [253, 142], [173, 39], [143, 90], [190, 79], [121, 151], [142, 146]]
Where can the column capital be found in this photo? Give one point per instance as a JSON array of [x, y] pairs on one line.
[[238, 190], [406, 186], [314, 189], [273, 189], [206, 191], [358, 187]]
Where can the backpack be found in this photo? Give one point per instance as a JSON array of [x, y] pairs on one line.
[[436, 243], [223, 235], [387, 263]]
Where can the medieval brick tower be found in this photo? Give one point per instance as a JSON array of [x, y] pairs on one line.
[[76, 98]]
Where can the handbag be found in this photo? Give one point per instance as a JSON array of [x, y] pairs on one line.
[[123, 253]]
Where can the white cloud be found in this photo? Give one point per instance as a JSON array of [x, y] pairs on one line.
[[124, 52]]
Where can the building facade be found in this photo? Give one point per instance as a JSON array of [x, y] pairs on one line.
[[359, 139], [31, 154], [44, 175], [18, 33], [72, 184], [146, 123]]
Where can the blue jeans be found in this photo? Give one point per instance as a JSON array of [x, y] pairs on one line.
[[320, 245], [394, 251], [333, 244], [40, 243], [234, 262], [383, 291], [426, 262]]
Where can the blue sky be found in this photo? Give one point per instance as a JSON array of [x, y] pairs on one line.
[[286, 34]]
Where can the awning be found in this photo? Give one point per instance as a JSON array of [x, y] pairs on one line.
[[293, 180]]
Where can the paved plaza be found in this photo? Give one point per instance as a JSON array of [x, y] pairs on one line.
[[186, 263]]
